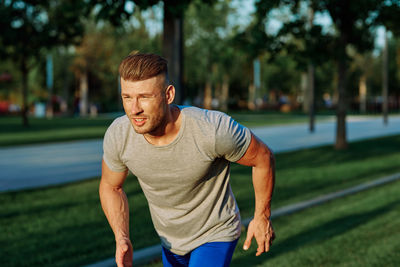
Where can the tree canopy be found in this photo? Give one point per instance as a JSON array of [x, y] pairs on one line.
[[28, 27]]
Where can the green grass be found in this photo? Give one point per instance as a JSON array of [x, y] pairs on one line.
[[259, 119], [66, 129], [64, 225], [51, 130], [358, 230]]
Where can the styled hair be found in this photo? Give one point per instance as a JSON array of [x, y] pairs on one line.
[[138, 67]]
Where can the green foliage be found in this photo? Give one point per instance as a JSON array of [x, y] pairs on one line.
[[208, 53], [281, 74], [117, 13], [101, 51], [30, 26], [214, 51], [41, 24]]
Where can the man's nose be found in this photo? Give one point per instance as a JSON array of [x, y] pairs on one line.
[[136, 107]]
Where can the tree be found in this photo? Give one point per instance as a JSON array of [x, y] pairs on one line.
[[308, 44], [98, 56], [30, 26], [362, 65], [353, 23], [209, 58], [173, 10]]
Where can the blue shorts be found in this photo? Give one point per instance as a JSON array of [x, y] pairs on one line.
[[213, 254]]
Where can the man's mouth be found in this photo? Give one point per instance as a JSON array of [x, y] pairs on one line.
[[139, 121]]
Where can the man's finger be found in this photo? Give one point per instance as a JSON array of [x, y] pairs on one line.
[[270, 237], [247, 242], [261, 247], [267, 244]]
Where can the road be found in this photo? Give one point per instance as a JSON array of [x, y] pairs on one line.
[[51, 164]]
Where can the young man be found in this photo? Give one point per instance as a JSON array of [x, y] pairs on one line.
[[181, 157]]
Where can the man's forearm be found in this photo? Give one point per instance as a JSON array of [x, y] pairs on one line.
[[263, 182], [115, 206]]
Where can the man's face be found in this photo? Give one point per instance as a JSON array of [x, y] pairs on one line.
[[145, 104]]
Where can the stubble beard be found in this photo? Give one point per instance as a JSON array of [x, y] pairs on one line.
[[152, 126]]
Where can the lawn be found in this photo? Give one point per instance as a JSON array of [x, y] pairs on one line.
[[64, 225], [358, 230], [51, 130], [259, 118], [69, 128]]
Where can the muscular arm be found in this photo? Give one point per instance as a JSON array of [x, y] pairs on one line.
[[261, 159], [115, 206]]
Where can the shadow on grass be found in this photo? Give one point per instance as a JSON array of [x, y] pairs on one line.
[[58, 247], [285, 192], [315, 235]]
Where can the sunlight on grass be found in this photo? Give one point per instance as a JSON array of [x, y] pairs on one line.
[[64, 225]]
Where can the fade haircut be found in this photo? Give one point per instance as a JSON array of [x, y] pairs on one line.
[[138, 67]]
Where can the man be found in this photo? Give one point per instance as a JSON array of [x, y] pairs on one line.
[[181, 157]]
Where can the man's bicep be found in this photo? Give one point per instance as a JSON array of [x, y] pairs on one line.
[[256, 154], [112, 178]]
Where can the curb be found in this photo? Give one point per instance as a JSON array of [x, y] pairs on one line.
[[146, 255]]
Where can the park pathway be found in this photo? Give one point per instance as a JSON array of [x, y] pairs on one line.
[[51, 164]]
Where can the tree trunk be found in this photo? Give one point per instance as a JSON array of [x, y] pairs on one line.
[[225, 93], [341, 138], [252, 97], [173, 49], [385, 81], [311, 97], [362, 88], [304, 89], [207, 95], [256, 81], [310, 79], [84, 92], [25, 108], [66, 93]]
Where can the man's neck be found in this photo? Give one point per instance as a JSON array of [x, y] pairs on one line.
[[170, 131]]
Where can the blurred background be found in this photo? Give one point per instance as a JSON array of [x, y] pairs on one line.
[[267, 63]]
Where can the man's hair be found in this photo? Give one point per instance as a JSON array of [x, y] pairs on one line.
[[138, 67]]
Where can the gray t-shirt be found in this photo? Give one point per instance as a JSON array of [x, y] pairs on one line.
[[186, 182]]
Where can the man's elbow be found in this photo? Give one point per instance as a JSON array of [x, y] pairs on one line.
[[266, 157], [108, 187]]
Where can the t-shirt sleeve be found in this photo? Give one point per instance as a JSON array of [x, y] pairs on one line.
[[111, 151], [231, 139]]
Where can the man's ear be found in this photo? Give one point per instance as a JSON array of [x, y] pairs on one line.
[[170, 94]]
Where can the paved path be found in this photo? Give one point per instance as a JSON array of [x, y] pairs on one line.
[[41, 165], [294, 137]]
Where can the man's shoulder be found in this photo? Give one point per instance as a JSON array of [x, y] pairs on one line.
[[201, 115]]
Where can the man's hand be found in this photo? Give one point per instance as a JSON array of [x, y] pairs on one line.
[[261, 229], [124, 253]]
